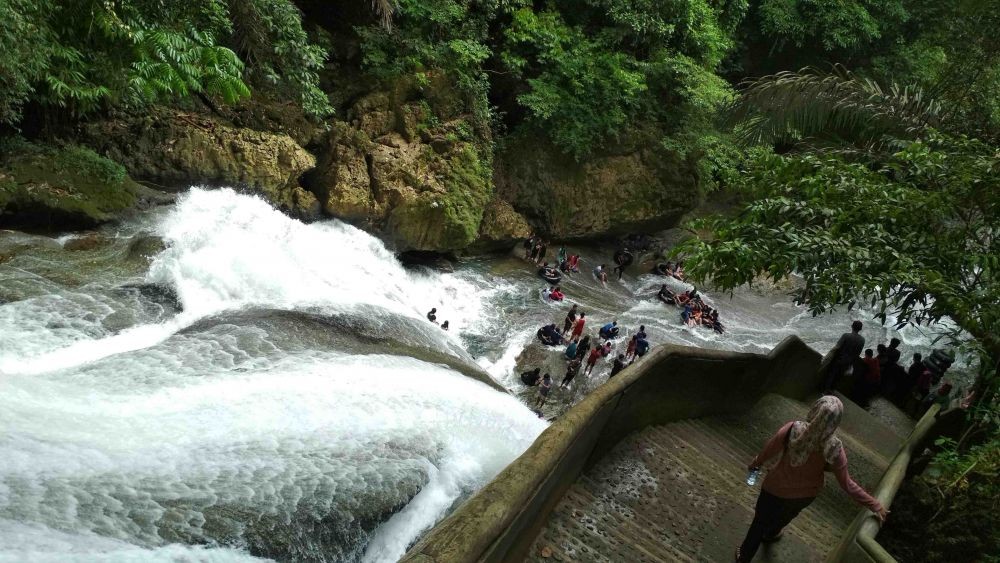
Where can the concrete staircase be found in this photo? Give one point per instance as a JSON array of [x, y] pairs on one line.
[[676, 492]]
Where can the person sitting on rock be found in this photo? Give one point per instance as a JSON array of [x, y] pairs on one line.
[[531, 377], [549, 335], [432, 315], [609, 330]]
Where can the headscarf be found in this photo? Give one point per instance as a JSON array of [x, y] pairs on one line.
[[817, 433]]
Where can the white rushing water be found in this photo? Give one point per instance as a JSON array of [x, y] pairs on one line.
[[258, 387], [135, 431]]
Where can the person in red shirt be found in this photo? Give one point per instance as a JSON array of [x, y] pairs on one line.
[[868, 383], [630, 351], [595, 354], [557, 294], [578, 327], [795, 459]]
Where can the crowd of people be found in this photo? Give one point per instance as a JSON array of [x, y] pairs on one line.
[[582, 349], [878, 372], [694, 311]]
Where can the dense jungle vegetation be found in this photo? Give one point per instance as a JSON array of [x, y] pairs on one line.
[[863, 136]]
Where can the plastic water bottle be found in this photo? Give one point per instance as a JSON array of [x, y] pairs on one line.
[[753, 476]]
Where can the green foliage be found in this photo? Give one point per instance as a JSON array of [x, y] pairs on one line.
[[270, 38], [430, 39], [25, 49], [791, 106], [859, 235], [84, 55], [952, 51], [950, 512], [831, 24], [581, 92]]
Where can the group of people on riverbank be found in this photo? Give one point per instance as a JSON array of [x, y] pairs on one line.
[[878, 372]]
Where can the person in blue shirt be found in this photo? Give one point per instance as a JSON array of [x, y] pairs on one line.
[[641, 347], [609, 330]]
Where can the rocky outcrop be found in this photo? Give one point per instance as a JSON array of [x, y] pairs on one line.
[[396, 168], [501, 227], [68, 187], [177, 150], [640, 189]]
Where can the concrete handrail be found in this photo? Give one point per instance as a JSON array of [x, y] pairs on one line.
[[859, 543], [500, 521]]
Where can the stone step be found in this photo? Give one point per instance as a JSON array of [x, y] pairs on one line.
[[676, 492]]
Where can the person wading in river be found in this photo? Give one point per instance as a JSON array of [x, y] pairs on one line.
[[570, 319], [795, 459]]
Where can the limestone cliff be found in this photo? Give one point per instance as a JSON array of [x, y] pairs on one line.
[[634, 189], [394, 166], [177, 149]]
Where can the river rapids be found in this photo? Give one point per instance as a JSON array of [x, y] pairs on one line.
[[216, 381]]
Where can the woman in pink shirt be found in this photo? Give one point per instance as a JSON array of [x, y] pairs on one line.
[[795, 459]]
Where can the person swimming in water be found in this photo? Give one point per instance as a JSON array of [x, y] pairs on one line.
[[574, 263], [556, 294]]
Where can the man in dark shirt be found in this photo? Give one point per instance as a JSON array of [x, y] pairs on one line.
[[847, 350], [618, 365]]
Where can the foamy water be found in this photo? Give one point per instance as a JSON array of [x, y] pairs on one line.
[[137, 436]]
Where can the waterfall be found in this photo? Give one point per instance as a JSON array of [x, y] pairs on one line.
[[136, 441]]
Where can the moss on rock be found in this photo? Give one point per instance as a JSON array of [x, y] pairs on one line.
[[177, 149], [395, 169], [66, 187]]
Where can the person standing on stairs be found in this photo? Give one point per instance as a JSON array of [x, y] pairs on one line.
[[795, 459], [848, 349]]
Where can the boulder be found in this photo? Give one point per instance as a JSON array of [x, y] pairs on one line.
[[501, 227], [420, 184], [642, 188], [61, 188], [178, 150]]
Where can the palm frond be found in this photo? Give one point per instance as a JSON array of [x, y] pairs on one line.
[[791, 106], [385, 9]]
